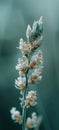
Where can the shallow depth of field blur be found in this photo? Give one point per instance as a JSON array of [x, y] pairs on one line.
[[15, 15]]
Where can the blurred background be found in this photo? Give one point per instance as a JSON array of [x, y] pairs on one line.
[[15, 15]]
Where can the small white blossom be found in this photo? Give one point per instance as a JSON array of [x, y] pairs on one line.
[[28, 31], [22, 65], [34, 117], [36, 59], [34, 121], [29, 123], [31, 99], [15, 115], [38, 56], [35, 76], [20, 83], [24, 47], [38, 70]]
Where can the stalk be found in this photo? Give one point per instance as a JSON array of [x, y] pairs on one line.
[[24, 107], [23, 113]]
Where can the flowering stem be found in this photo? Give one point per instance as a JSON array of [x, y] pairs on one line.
[[34, 37], [23, 113]]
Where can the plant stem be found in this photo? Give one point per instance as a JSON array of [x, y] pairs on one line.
[[24, 107], [24, 96], [23, 112]]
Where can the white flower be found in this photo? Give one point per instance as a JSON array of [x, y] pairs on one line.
[[34, 121], [38, 71], [28, 31], [36, 60], [34, 117], [23, 46], [29, 123], [32, 64], [35, 76], [20, 83], [38, 56], [31, 99], [15, 115], [22, 65]]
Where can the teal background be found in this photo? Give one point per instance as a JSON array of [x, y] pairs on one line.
[[15, 15]]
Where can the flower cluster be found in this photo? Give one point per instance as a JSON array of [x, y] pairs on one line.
[[22, 66], [20, 83], [31, 61], [24, 47], [34, 37], [35, 76], [33, 121], [15, 115], [31, 99], [33, 33], [36, 59]]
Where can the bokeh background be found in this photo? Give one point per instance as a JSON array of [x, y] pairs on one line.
[[15, 15]]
